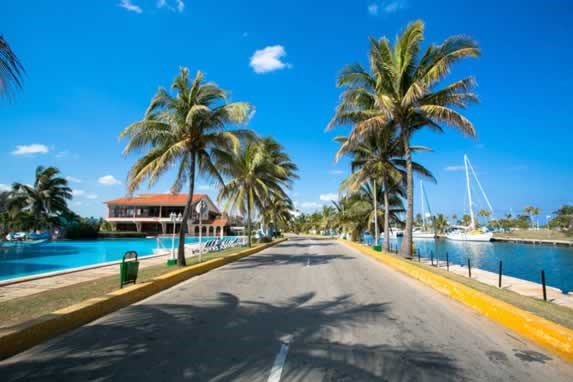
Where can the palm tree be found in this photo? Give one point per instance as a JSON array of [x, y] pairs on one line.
[[531, 211], [440, 223], [378, 159], [277, 210], [11, 70], [484, 213], [183, 130], [44, 200], [400, 91], [254, 176]]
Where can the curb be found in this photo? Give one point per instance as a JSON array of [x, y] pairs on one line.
[[546, 334], [21, 337]]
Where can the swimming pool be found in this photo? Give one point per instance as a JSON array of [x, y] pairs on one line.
[[62, 255]]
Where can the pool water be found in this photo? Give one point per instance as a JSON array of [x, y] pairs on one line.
[[524, 261], [62, 255]]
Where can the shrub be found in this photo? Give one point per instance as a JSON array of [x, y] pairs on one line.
[[265, 239], [81, 230]]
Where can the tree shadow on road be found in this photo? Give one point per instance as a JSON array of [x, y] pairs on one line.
[[282, 259], [227, 339]]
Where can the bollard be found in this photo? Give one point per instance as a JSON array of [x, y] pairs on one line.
[[447, 262], [419, 260], [469, 268], [437, 259], [500, 272], [432, 258], [543, 285]]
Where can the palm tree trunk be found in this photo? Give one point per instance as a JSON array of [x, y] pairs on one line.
[[249, 220], [406, 248], [376, 230], [386, 243], [186, 212]]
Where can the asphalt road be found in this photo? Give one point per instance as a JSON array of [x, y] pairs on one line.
[[306, 309]]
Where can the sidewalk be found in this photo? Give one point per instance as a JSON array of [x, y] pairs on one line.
[[520, 286], [27, 288]]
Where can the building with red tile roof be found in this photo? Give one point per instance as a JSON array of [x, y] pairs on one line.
[[161, 213]]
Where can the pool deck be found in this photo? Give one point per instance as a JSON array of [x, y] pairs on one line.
[[519, 286], [38, 285]]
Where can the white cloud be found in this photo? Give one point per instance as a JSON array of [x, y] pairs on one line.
[[5, 187], [455, 168], [205, 187], [330, 197], [173, 6], [336, 172], [387, 7], [127, 4], [32, 149], [393, 6], [309, 205], [71, 179], [269, 59], [83, 194], [108, 180], [373, 9]]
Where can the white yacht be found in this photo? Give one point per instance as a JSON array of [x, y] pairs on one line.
[[471, 233]]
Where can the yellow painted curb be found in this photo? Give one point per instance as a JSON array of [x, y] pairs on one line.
[[546, 334], [28, 334]]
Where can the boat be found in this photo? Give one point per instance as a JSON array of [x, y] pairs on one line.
[[471, 232], [22, 243], [464, 234], [424, 233]]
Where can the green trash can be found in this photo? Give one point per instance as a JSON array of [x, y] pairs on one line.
[[377, 248], [128, 268]]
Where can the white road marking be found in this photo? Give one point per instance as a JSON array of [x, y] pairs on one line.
[[280, 359], [308, 261]]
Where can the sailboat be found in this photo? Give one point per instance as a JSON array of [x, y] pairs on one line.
[[424, 233], [471, 233]]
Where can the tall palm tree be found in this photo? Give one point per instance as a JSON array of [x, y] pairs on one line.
[[377, 158], [11, 70], [405, 89], [43, 200], [254, 178], [183, 130]]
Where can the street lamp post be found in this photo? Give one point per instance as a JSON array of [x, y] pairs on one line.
[[200, 209], [175, 218]]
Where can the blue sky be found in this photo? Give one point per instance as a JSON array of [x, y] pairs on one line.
[[93, 66]]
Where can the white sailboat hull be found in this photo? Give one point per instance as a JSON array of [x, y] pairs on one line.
[[423, 235], [470, 236]]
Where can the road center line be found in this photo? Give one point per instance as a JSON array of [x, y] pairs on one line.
[[279, 363]]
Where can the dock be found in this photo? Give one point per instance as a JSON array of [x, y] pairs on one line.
[[567, 243]]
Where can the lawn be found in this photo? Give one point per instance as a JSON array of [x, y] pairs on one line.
[[22, 309], [542, 234]]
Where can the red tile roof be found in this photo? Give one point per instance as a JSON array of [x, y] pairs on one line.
[[156, 200], [222, 222]]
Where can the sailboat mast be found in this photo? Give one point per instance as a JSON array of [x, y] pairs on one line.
[[422, 204], [473, 224]]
